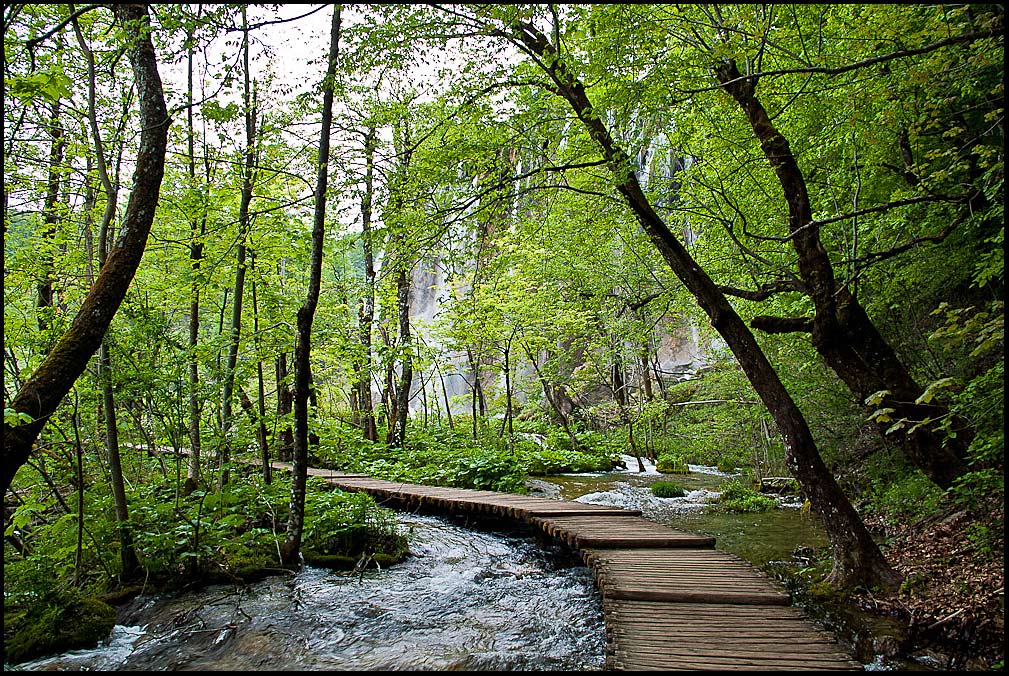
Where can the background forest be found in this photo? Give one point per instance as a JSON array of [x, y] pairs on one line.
[[536, 238]]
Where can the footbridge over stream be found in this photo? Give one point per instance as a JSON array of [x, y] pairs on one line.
[[671, 601]]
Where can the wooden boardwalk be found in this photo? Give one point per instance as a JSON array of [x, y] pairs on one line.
[[671, 601]]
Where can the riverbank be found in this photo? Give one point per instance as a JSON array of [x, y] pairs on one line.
[[952, 600]]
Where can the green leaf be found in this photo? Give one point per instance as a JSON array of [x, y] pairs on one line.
[[876, 398], [881, 415], [932, 388], [50, 85]]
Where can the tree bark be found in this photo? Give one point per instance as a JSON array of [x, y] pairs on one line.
[[285, 404], [366, 314], [397, 426], [243, 233], [856, 557], [198, 229], [291, 549], [42, 393], [842, 332], [50, 220], [262, 436]]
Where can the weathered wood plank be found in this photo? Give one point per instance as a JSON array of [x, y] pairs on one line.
[[714, 636], [606, 531]]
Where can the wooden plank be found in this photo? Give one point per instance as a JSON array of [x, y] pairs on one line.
[[603, 531], [706, 636]]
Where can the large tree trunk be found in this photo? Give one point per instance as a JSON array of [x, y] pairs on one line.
[[843, 334], [857, 559], [291, 549], [42, 393]]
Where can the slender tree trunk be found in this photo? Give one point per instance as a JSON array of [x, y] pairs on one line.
[[397, 427], [843, 334], [243, 234], [646, 376], [291, 549], [127, 555], [618, 384], [474, 365], [79, 457], [366, 315], [198, 228], [50, 220], [547, 394], [262, 437], [857, 558], [507, 422], [444, 393], [285, 404]]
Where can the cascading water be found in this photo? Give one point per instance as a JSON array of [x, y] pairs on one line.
[[465, 600]]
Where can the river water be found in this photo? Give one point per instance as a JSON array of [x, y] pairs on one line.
[[466, 599]]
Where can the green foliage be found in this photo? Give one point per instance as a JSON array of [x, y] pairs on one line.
[[670, 464], [667, 489], [904, 497], [14, 418], [348, 526], [737, 496], [440, 456]]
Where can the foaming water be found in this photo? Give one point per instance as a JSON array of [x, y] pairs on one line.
[[465, 600]]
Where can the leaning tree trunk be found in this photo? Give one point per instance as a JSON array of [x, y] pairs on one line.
[[843, 334], [857, 558], [42, 393], [291, 549]]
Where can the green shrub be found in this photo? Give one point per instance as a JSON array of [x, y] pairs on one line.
[[668, 464], [905, 497], [740, 497], [667, 489]]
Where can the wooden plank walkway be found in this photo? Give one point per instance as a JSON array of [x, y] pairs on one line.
[[671, 601]]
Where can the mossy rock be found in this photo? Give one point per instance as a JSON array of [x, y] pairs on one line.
[[331, 561], [67, 623], [344, 562]]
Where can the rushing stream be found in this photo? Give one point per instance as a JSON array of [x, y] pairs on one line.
[[467, 599]]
